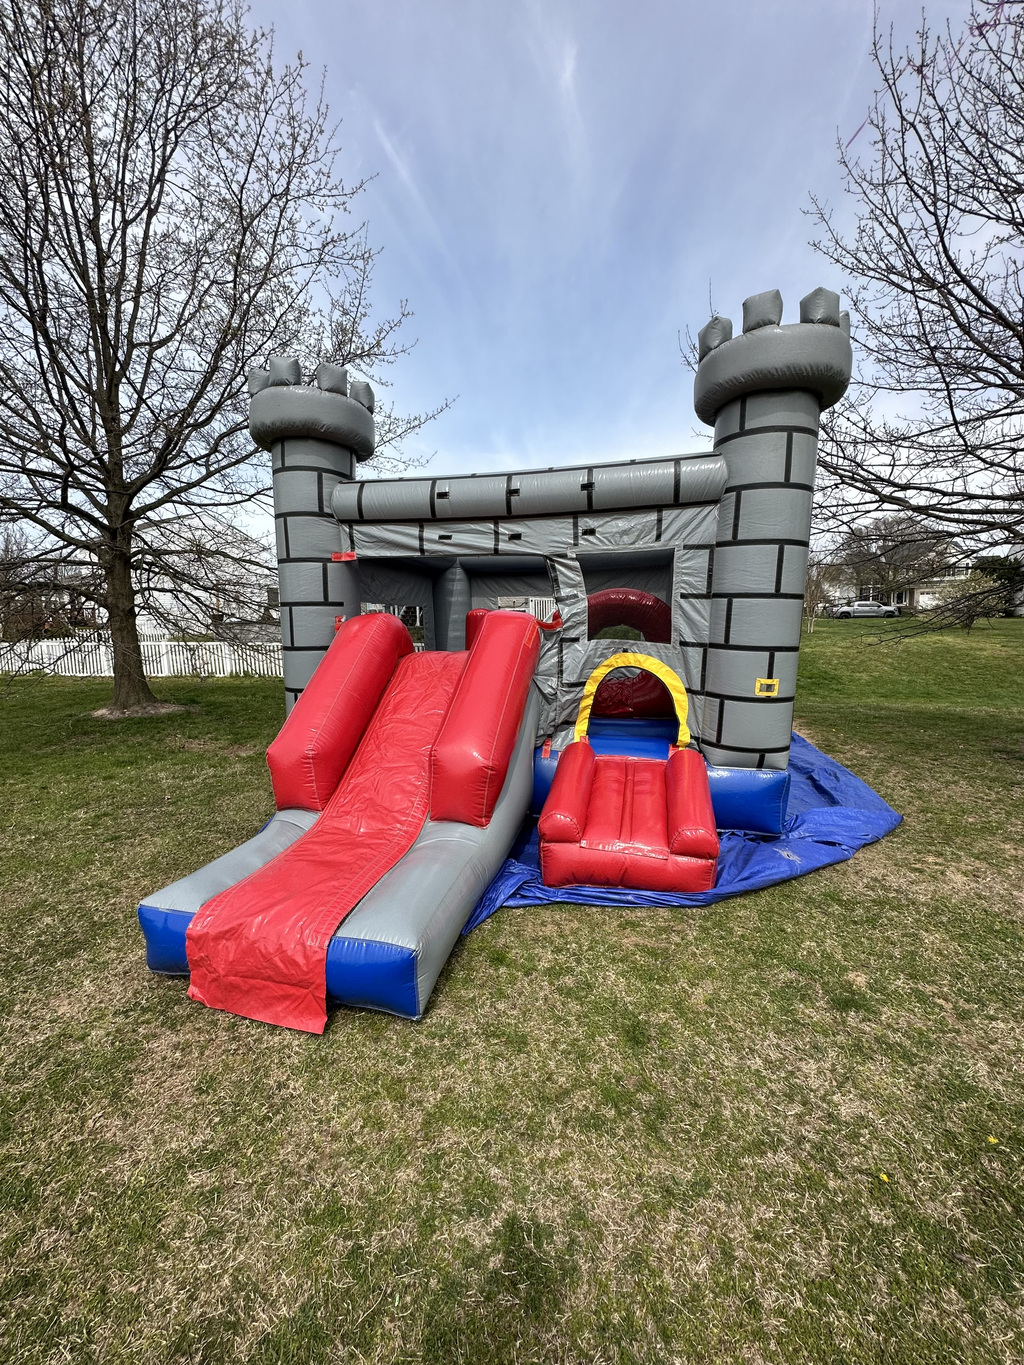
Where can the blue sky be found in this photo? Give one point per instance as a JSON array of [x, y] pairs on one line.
[[558, 185]]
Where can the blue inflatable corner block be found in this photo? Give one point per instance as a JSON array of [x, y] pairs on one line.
[[752, 799], [164, 931], [379, 976]]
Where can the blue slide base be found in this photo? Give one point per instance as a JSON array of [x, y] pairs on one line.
[[361, 972], [832, 814]]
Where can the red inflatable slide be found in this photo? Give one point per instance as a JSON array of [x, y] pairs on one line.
[[381, 739], [611, 820]]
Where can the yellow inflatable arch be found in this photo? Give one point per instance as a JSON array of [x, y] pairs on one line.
[[668, 676]]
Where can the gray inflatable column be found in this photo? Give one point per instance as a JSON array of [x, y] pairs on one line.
[[315, 436], [451, 602], [763, 392]]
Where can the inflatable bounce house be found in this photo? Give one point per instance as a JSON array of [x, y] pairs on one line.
[[512, 760]]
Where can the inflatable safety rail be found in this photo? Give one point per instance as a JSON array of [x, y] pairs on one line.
[[400, 781]]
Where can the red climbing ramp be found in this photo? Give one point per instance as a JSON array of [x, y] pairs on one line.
[[610, 820]]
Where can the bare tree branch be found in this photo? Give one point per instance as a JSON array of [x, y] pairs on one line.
[[170, 214], [933, 426]]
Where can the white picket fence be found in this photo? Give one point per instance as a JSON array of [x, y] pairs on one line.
[[92, 658]]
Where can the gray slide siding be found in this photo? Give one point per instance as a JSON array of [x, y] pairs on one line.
[[424, 901], [189, 893]]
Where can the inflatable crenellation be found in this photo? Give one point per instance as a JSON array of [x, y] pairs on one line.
[[333, 409]]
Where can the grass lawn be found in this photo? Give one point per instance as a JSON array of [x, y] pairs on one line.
[[786, 1128]]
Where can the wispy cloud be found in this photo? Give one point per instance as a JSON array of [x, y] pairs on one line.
[[426, 225], [555, 52], [557, 181]]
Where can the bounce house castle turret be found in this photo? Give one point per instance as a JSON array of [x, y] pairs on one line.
[[316, 437], [763, 392]]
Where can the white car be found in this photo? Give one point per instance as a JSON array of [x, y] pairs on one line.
[[863, 609]]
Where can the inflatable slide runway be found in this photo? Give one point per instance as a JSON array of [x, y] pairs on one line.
[[400, 780]]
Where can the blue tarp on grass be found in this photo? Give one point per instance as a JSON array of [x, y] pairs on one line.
[[831, 815]]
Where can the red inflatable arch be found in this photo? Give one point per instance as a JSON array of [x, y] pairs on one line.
[[644, 695], [630, 607]]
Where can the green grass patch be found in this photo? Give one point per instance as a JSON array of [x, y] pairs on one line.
[[617, 1136]]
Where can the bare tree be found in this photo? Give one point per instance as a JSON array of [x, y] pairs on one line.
[[893, 553], [935, 426], [22, 602], [824, 573], [214, 583], [1007, 570], [169, 215]]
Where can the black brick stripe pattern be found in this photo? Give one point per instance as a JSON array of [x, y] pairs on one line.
[[307, 614]]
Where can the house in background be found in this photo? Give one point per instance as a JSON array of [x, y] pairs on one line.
[[35, 606], [245, 612], [921, 595], [895, 560]]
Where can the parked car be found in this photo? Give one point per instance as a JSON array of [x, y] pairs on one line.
[[848, 609]]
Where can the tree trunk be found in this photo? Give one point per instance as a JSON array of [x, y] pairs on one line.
[[130, 686]]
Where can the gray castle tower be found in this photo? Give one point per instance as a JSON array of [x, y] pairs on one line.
[[315, 436], [763, 393]]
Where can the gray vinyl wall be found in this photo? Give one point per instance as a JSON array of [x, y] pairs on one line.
[[727, 548]]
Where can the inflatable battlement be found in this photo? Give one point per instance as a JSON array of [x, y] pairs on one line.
[[334, 411], [812, 355]]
